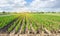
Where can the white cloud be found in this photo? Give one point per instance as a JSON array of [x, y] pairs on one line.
[[6, 2], [14, 6], [3, 1], [20, 9], [19, 5], [39, 3], [20, 2], [52, 0]]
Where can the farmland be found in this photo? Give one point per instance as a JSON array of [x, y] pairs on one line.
[[30, 23]]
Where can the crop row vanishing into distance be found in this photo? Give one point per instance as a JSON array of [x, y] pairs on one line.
[[29, 23]]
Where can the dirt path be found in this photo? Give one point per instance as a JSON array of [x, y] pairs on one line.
[[20, 23], [32, 29], [19, 31]]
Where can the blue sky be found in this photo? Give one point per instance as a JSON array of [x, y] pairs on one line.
[[29, 5]]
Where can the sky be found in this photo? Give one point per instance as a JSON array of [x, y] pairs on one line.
[[29, 5]]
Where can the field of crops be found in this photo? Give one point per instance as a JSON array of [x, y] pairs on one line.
[[27, 23]]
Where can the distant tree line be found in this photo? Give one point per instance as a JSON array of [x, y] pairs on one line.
[[44, 12]]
